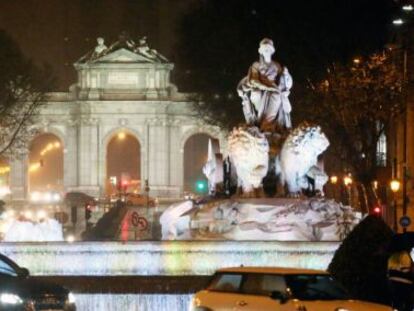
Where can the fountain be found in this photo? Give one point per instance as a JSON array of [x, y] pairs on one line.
[[264, 150], [249, 229]]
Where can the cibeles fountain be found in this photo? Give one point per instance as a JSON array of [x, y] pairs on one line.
[[263, 150], [251, 227]]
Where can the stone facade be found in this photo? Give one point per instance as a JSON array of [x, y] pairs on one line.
[[120, 90]]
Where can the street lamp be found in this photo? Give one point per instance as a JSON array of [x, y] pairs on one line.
[[405, 46], [408, 7], [121, 135], [398, 21], [395, 186], [347, 180]]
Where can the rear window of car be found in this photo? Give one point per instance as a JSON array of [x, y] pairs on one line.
[[315, 287], [226, 282]]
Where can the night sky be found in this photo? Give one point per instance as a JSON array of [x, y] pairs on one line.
[[61, 31]]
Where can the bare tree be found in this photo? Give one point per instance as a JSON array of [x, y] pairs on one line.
[[356, 105], [22, 90]]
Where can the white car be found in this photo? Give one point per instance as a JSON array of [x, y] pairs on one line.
[[276, 289]]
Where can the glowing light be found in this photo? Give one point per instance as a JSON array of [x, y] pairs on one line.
[[4, 190], [377, 210], [395, 185], [121, 135], [4, 170], [35, 196], [201, 186], [334, 179], [56, 197], [34, 167], [375, 184], [47, 197], [41, 214], [347, 180], [356, 61], [70, 239], [408, 7], [28, 214], [398, 21], [50, 147]]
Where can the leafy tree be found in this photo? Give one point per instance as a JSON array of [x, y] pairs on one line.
[[360, 263], [22, 90], [355, 105]]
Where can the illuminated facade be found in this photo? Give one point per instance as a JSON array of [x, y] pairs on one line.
[[125, 88]]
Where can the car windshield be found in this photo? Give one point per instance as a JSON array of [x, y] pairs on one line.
[[226, 282], [315, 287], [6, 268]]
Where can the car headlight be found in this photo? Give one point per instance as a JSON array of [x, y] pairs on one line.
[[71, 298], [10, 299]]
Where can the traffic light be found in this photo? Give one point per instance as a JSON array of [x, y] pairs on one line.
[[377, 210], [201, 186]]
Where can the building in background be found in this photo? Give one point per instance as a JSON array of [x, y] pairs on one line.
[[123, 117]]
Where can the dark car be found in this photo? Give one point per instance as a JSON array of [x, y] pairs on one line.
[[19, 291]]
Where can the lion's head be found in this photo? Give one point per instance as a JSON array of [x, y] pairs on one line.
[[249, 150]]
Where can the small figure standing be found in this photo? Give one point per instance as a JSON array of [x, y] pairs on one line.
[[101, 46], [265, 90]]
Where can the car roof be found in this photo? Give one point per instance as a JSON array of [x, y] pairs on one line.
[[271, 270]]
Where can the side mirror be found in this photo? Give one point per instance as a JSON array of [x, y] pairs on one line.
[[282, 297], [23, 273]]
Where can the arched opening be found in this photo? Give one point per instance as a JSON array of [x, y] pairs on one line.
[[123, 169], [46, 164], [195, 156], [4, 177]]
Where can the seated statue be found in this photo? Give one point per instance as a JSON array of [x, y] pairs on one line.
[[265, 90]]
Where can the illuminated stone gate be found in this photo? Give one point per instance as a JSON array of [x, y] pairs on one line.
[[123, 88]]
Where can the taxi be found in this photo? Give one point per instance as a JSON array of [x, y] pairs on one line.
[[276, 289]]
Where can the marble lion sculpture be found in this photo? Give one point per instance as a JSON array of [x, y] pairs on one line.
[[298, 155], [249, 151]]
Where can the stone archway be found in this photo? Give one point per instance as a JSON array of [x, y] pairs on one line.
[[45, 170], [122, 163], [195, 156]]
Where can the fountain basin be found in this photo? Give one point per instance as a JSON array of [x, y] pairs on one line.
[[164, 258]]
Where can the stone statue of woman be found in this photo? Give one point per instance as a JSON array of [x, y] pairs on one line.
[[265, 90]]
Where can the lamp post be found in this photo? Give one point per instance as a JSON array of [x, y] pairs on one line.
[[395, 186], [406, 43], [348, 182]]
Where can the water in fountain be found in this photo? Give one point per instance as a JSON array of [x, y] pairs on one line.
[[24, 230], [164, 258], [132, 302]]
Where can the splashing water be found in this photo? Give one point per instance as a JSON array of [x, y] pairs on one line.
[[164, 258], [132, 302]]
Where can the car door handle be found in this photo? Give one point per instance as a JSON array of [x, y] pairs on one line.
[[242, 303]]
